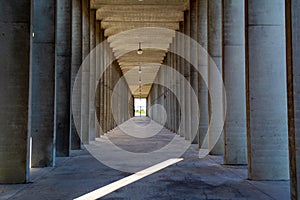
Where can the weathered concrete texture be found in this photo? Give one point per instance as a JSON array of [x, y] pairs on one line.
[[109, 84], [187, 75], [192, 178], [175, 86], [102, 87], [203, 67], [85, 82], [293, 70], [92, 133], [182, 91], [76, 61], [296, 68], [267, 99], [41, 103], [214, 20], [193, 71], [104, 77], [62, 77], [235, 131], [161, 96], [167, 92], [178, 96], [98, 97], [14, 90]]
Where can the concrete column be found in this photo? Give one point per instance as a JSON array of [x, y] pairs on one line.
[[105, 89], [76, 60], [187, 74], [173, 100], [172, 111], [108, 95], [165, 90], [92, 131], [193, 72], [203, 66], [14, 87], [85, 83], [102, 87], [62, 77], [161, 95], [99, 39], [182, 89], [175, 96], [168, 92], [179, 94], [155, 100], [293, 70], [214, 20], [266, 90], [42, 84], [235, 131], [109, 125]]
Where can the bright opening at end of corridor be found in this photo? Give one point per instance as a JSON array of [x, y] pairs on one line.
[[140, 107]]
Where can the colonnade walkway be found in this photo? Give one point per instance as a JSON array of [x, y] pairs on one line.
[[191, 178]]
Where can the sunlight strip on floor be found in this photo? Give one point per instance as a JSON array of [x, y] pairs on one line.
[[127, 180]]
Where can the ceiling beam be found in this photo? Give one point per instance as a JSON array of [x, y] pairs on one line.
[[140, 17], [118, 29], [99, 3], [135, 8], [170, 25], [143, 33]]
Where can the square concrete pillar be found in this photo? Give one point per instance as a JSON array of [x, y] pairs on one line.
[[41, 105], [62, 77], [14, 89]]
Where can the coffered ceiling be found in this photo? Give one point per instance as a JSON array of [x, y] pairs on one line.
[[128, 22]]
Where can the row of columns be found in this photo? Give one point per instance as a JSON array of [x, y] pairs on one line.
[[44, 45], [246, 41], [271, 46]]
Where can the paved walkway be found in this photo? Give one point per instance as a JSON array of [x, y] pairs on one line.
[[192, 178]]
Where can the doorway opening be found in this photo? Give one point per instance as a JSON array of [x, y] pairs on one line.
[[140, 107]]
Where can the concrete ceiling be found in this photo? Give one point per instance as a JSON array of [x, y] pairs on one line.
[[119, 16]]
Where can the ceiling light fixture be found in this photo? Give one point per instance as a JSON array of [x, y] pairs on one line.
[[140, 70], [140, 50]]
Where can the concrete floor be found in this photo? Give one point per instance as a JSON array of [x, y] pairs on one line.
[[191, 178]]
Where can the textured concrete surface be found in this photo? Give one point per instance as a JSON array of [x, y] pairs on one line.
[[42, 84], [296, 61], [92, 130], [235, 131], [62, 77], [267, 99], [76, 60], [85, 81], [191, 178], [203, 91], [194, 79], [187, 75], [14, 90], [293, 78], [214, 48]]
